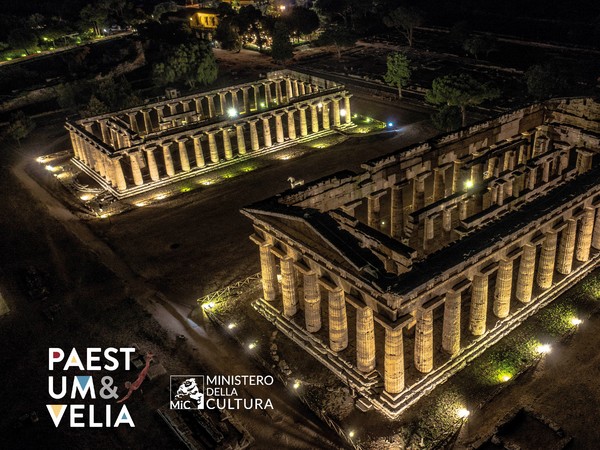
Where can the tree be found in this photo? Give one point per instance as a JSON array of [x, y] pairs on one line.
[[249, 19], [191, 63], [22, 38], [228, 35], [447, 118], [93, 16], [163, 8], [94, 107], [460, 90], [404, 20], [545, 81], [282, 48], [477, 46], [398, 71], [337, 36], [302, 21], [19, 127]]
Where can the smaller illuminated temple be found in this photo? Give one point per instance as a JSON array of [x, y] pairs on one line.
[[137, 149], [396, 277]]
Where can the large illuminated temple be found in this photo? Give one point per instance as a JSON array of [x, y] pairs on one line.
[[396, 277], [131, 151]]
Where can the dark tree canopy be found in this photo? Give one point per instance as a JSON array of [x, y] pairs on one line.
[[460, 90], [281, 49], [192, 63], [228, 35], [545, 81], [404, 20], [302, 21], [337, 36]]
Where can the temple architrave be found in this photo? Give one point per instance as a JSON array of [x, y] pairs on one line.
[[137, 149], [396, 277]]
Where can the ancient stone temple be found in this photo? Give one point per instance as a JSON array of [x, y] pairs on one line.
[[396, 277], [131, 151]]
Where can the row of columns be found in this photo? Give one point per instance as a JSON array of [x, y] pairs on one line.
[[243, 100], [577, 237], [217, 140]]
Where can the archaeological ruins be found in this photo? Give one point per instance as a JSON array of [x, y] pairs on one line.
[[394, 278], [131, 151]]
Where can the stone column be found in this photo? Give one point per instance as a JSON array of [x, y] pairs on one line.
[[502, 295], [394, 361], [291, 124], [439, 188], [186, 105], [424, 341], [295, 86], [138, 180], [430, 227], [256, 90], [278, 93], [288, 287], [183, 156], [584, 241], [160, 112], [199, 109], [365, 339], [266, 131], [172, 108], [212, 146], [314, 116], [304, 128], [564, 260], [348, 118], [278, 127], [168, 159], [227, 144], [309, 89], [397, 212], [338, 321], [268, 97], [133, 122], [451, 326], [241, 141], [545, 273], [210, 99], [246, 100], [325, 112], [302, 88], [596, 233], [526, 272], [222, 103], [147, 121], [152, 167], [457, 185], [253, 135], [419, 192], [447, 220], [312, 302], [479, 300], [268, 272], [120, 177], [373, 209], [288, 89], [336, 112], [198, 151], [234, 100]]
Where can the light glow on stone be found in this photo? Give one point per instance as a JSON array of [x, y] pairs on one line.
[[463, 413], [543, 349]]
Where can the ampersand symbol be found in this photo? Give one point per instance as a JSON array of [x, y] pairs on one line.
[[107, 386]]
